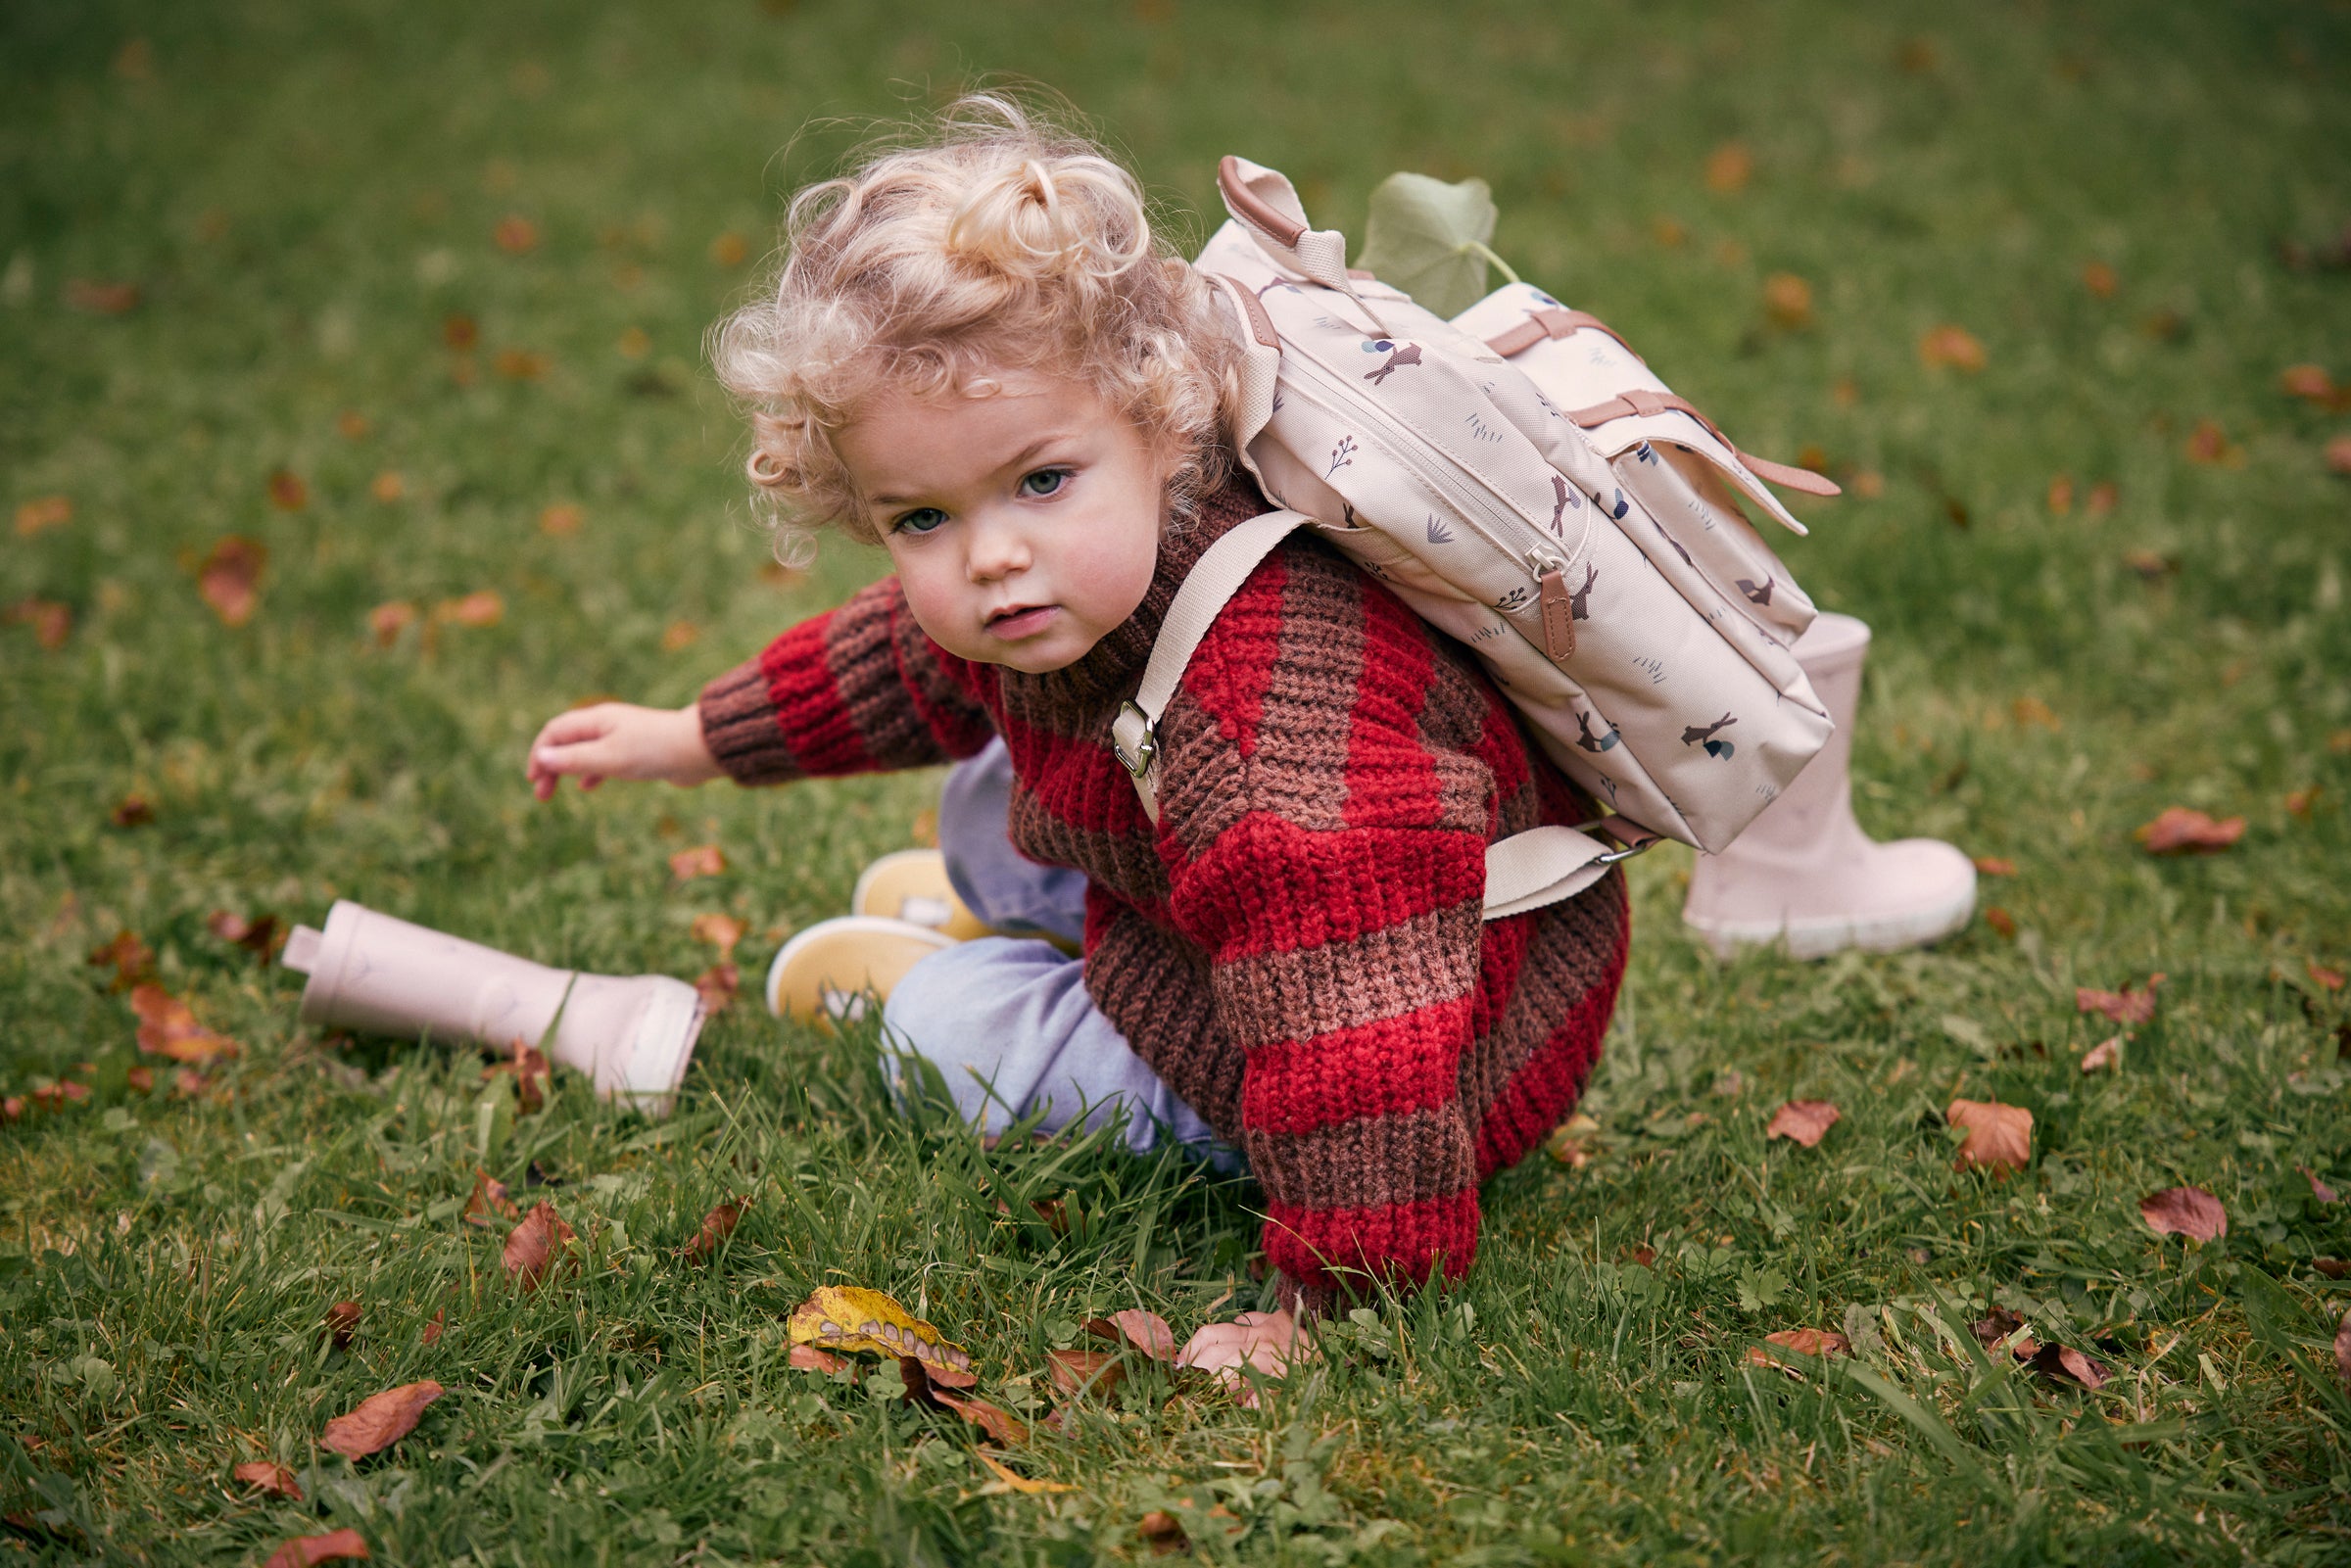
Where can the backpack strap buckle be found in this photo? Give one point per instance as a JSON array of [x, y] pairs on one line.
[[1135, 739]]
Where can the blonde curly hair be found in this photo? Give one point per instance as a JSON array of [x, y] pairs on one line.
[[988, 238]]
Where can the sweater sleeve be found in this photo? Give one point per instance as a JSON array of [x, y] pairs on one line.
[[1334, 868], [856, 690]]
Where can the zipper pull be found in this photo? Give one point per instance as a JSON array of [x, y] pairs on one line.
[[1558, 609]]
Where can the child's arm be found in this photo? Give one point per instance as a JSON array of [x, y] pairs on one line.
[[620, 741]]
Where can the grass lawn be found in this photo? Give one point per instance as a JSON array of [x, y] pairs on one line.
[[412, 297]]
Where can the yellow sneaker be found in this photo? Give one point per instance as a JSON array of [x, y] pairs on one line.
[[837, 970], [911, 884]]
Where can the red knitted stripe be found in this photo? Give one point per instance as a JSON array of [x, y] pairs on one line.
[[1268, 884], [1409, 1062], [1075, 778], [1542, 1092], [1499, 959], [1391, 774], [1504, 749], [1390, 1240], [962, 728], [816, 723], [1233, 667]]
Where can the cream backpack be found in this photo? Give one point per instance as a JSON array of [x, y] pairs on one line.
[[1521, 480]]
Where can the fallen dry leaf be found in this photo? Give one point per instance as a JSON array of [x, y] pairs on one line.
[[168, 1028], [230, 577], [532, 1247], [2100, 1057], [1162, 1529], [521, 364], [287, 492], [274, 1480], [1805, 1121], [560, 521], [303, 1551], [2206, 443], [2061, 1364], [389, 619], [1818, 1342], [1147, 1332], [2189, 1211], [1952, 346], [43, 512], [1018, 1483], [2299, 802], [482, 607], [730, 248], [352, 424], [850, 1317], [717, 1225], [343, 1324], [531, 1073], [141, 1079], [2000, 921], [1994, 1331], [489, 1204], [380, 1420], [461, 331], [704, 860], [2148, 565], [717, 986], [52, 623], [516, 235], [680, 635], [256, 936], [2102, 497], [1729, 166], [2126, 1005], [938, 1388], [2178, 831], [1995, 866], [100, 298], [131, 960], [2342, 1351], [2326, 979], [2031, 712], [2331, 1267], [433, 1330], [1788, 301], [2000, 1137], [2309, 382], [2318, 1189], [721, 931], [2339, 455], [808, 1358], [132, 811], [1574, 1142], [2099, 279], [1076, 1373]]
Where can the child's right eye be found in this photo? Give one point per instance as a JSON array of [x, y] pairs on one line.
[[920, 520]]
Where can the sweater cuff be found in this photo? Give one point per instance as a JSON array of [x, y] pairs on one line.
[[739, 727]]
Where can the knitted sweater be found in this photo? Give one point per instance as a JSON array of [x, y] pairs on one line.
[[1296, 946]]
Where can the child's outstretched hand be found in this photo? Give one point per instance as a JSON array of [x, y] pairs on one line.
[[1267, 1342], [620, 741]]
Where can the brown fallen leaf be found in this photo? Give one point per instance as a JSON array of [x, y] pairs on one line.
[[1995, 866], [531, 1072], [560, 521], [1994, 1331], [2126, 1005], [482, 607], [2208, 444], [168, 1028], [927, 1383], [131, 959], [489, 1204], [1076, 1373], [2000, 1137], [704, 860], [679, 635], [2331, 1267], [389, 619], [1017, 1482], [2339, 455], [521, 364], [717, 1225], [2342, 1351], [342, 1323], [1805, 1121], [717, 986], [52, 623], [353, 425], [2326, 979], [516, 235], [132, 811], [1164, 1534], [2179, 831], [303, 1551], [853, 1317], [1954, 347], [2309, 382], [2000, 921], [2189, 1211], [2100, 1057], [1147, 1332], [1729, 168], [287, 492], [808, 1358], [1816, 1341], [274, 1480], [434, 1329], [2318, 1189], [1788, 301], [533, 1246], [2060, 497], [43, 512], [2062, 1363], [721, 931], [380, 1420], [256, 936], [141, 1079], [461, 331], [99, 298], [229, 578], [2099, 279]]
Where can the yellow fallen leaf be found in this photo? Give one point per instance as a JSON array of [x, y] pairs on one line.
[[1019, 1483], [849, 1317]]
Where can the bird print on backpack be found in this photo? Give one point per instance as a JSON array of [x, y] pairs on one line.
[[1721, 750], [1591, 742], [1578, 604], [1758, 595], [1398, 355], [1562, 497]]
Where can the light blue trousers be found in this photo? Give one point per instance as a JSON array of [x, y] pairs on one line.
[[1006, 1019]]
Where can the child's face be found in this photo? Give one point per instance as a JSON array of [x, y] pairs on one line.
[[1023, 524]]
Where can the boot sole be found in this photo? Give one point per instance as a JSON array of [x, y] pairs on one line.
[[1818, 936]]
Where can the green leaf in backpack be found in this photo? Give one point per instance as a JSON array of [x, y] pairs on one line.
[[1429, 238]]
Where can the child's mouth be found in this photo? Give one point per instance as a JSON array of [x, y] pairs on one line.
[[1013, 624]]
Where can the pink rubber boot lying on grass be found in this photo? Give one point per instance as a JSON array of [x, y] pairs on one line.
[[632, 1034], [1805, 872]]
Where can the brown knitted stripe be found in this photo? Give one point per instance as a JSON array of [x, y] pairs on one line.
[[1573, 944], [1153, 988], [1375, 1160], [1310, 697], [1128, 864], [862, 659], [1385, 973], [739, 726]]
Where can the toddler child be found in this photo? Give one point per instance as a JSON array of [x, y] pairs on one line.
[[979, 355]]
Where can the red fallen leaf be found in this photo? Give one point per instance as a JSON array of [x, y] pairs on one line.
[[2326, 979], [129, 955], [1804, 1341], [2102, 497], [275, 1479], [1995, 866], [1994, 1331], [531, 1245], [432, 1330], [380, 1420], [12, 1109], [2318, 1189], [930, 1384], [1080, 1372], [2178, 831], [2309, 382], [460, 331], [303, 1551], [342, 1323], [2000, 921], [722, 931], [352, 424], [1147, 1332], [1805, 1121], [1954, 347], [2206, 443], [704, 860], [230, 577], [389, 619], [2126, 1005], [2060, 498], [168, 1028], [102, 299], [808, 1358], [2189, 1211], [141, 1079], [2099, 279], [482, 607], [2100, 1057], [1161, 1529], [559, 522], [187, 1083], [287, 492], [717, 1225], [531, 1073], [256, 936], [717, 985], [43, 512], [2061, 1364], [132, 811], [52, 623], [517, 235], [2331, 1267], [2339, 455], [1646, 1256], [1729, 168], [56, 1096], [489, 1203], [2000, 1137]]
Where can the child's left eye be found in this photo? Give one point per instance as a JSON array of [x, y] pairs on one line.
[[1044, 482]]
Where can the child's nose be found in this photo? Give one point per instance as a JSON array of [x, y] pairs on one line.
[[997, 549]]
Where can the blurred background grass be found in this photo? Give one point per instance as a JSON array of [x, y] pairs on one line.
[[447, 267]]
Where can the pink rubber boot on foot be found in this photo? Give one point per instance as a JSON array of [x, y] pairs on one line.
[[632, 1034], [1804, 872]]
